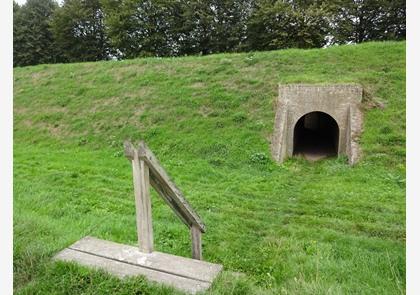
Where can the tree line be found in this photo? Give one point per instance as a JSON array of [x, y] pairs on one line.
[[91, 30]]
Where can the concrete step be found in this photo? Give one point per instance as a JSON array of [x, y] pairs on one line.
[[185, 274]]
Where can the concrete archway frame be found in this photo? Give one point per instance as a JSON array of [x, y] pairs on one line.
[[341, 101]]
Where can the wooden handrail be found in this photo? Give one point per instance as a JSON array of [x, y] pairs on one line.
[[147, 170]]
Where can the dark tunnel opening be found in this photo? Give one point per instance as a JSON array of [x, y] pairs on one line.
[[316, 136]]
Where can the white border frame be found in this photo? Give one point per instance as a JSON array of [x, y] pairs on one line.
[[6, 158], [413, 148], [6, 155]]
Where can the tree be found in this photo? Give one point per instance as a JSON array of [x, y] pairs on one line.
[[143, 28], [79, 31], [286, 24], [172, 28], [231, 18], [196, 28], [89, 30], [214, 26], [33, 41], [365, 20]]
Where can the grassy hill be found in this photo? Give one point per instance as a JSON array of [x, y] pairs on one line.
[[295, 228]]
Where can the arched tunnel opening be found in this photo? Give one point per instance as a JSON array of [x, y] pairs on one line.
[[316, 136]]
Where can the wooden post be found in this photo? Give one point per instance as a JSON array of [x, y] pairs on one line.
[[148, 171], [196, 242], [143, 203]]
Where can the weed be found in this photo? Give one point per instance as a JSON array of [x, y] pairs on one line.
[[259, 158]]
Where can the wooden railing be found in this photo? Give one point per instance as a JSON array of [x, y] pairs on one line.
[[148, 171]]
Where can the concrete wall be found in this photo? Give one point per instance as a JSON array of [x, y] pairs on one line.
[[342, 102]]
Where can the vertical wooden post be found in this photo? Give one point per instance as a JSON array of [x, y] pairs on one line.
[[196, 242], [143, 203]]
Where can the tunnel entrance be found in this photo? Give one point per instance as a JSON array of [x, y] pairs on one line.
[[316, 136]]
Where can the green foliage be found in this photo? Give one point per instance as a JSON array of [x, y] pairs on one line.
[[259, 158], [143, 28], [214, 26], [295, 228], [363, 20], [33, 41], [103, 29], [79, 31], [283, 24], [239, 117], [171, 28]]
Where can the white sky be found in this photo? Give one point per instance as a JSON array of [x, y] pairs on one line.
[[20, 2]]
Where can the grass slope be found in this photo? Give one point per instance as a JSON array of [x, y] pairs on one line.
[[295, 228]]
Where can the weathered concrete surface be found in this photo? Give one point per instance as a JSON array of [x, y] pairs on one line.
[[341, 101], [189, 275]]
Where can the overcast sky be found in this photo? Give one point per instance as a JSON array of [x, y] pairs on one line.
[[24, 1]]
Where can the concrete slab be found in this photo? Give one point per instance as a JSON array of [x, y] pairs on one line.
[[185, 274]]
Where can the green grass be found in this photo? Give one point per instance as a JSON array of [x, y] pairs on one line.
[[295, 228]]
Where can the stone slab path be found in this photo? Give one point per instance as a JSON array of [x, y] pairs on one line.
[[186, 274]]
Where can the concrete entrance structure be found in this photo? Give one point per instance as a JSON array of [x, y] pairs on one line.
[[321, 120]]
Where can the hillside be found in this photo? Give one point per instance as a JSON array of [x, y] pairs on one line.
[[295, 228]]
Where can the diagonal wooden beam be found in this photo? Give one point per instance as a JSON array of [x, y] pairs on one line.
[[162, 183]]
